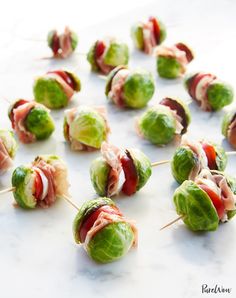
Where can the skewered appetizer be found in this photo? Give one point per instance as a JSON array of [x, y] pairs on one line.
[[173, 60], [64, 44], [85, 128], [56, 88], [40, 183], [193, 156], [147, 35], [164, 122], [229, 127], [115, 170], [103, 230], [207, 201], [131, 89], [210, 93], [30, 120], [8, 147], [105, 55]]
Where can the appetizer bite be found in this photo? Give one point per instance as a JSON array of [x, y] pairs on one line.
[[85, 128], [191, 157], [131, 89], [173, 60], [210, 93], [103, 230], [30, 120], [207, 201], [105, 55], [8, 147], [228, 127], [164, 122], [64, 44], [56, 88], [127, 171], [40, 183], [147, 35]]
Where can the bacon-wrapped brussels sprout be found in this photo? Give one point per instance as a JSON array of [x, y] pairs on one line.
[[147, 35], [56, 88], [106, 172], [228, 127], [173, 60], [193, 156], [85, 128], [30, 120], [131, 89], [8, 147], [210, 93], [163, 122], [64, 44], [103, 230], [40, 183], [208, 200], [105, 55]]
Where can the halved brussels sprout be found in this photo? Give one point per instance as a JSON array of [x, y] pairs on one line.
[[227, 119], [143, 166], [9, 142], [182, 163], [137, 36], [99, 173], [117, 54], [91, 57], [23, 181], [197, 209], [74, 40], [111, 243], [111, 76], [86, 209], [88, 127], [168, 67], [158, 125], [221, 157], [40, 123], [219, 94]]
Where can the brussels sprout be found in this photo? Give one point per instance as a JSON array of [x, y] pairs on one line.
[[168, 67], [117, 54], [197, 209], [158, 125], [182, 163], [137, 36], [219, 94], [86, 209], [91, 57], [40, 123], [23, 183], [9, 142], [143, 166], [88, 127], [111, 243], [99, 172], [50, 93], [138, 89]]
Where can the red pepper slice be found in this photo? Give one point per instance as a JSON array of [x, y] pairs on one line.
[[16, 105], [156, 28], [189, 55], [216, 200], [131, 177], [195, 81], [65, 76], [99, 49], [38, 184], [88, 222], [55, 44], [211, 155]]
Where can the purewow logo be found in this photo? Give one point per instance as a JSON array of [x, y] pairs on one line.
[[216, 289]]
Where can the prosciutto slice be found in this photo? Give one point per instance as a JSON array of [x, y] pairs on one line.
[[5, 159], [231, 133], [149, 38], [112, 155], [105, 219], [19, 116], [179, 127], [67, 89], [65, 43], [116, 92]]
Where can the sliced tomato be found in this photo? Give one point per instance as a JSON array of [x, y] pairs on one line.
[[38, 184], [100, 48], [16, 105], [156, 28], [189, 55], [90, 220], [216, 200], [211, 155], [131, 177], [65, 76]]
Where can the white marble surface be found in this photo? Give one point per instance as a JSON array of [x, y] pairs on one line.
[[38, 256]]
